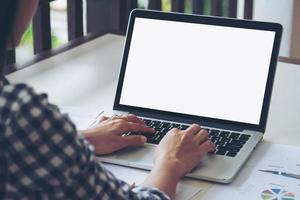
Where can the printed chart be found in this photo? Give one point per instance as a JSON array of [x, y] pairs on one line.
[[272, 173], [277, 194]]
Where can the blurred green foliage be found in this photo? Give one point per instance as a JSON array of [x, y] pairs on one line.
[[27, 39], [166, 6]]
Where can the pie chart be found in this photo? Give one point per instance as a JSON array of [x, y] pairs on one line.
[[277, 194]]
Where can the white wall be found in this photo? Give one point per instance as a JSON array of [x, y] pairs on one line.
[[280, 11]]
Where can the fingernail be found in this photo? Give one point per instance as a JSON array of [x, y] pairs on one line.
[[143, 139]]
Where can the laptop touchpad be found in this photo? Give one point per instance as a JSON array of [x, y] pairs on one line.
[[141, 154]]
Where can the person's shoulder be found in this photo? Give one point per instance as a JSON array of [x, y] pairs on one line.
[[18, 93], [20, 101], [14, 97], [15, 88]]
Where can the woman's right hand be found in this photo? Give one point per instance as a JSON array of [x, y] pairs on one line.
[[180, 151], [176, 155]]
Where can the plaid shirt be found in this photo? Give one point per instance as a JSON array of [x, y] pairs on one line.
[[42, 157]]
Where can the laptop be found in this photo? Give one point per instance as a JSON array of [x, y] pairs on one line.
[[179, 69]]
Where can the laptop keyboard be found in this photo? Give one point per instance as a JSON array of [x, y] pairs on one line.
[[227, 143]]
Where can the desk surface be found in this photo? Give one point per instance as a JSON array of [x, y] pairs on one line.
[[86, 76]]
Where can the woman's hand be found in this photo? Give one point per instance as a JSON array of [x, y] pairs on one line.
[[107, 137], [176, 155], [180, 151]]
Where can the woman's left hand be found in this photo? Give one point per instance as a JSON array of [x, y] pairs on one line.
[[107, 137]]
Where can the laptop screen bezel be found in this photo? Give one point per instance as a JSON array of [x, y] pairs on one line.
[[218, 21]]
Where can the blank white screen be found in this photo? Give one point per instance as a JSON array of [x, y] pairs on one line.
[[204, 70]]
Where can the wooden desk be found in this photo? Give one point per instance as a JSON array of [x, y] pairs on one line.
[[86, 76]]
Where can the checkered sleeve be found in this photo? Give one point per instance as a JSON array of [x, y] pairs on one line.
[[48, 160]]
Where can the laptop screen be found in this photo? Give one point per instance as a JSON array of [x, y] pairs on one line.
[[198, 69]]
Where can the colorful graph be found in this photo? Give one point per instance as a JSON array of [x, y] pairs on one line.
[[277, 194]]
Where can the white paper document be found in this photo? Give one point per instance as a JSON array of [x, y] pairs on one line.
[[137, 176], [272, 173]]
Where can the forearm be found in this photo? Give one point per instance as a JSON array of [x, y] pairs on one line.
[[162, 179]]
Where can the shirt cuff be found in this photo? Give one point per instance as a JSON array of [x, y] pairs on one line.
[[150, 193]]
